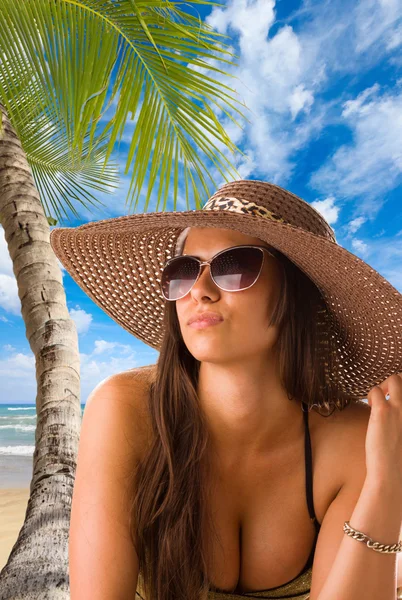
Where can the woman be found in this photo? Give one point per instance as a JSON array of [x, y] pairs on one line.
[[235, 405]]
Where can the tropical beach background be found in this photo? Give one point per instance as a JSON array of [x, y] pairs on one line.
[[323, 82]]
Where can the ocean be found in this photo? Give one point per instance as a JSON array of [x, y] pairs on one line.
[[17, 444]]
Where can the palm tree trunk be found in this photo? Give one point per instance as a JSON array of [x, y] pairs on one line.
[[38, 564]]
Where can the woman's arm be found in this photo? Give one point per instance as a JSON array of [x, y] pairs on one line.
[[103, 563], [399, 569], [358, 571]]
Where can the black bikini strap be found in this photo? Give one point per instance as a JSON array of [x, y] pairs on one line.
[[309, 470]]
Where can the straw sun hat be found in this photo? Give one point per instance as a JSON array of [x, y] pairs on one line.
[[118, 263]]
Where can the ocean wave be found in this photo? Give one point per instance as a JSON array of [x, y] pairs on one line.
[[19, 417], [17, 450], [19, 427]]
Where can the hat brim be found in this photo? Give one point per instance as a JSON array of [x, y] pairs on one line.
[[118, 262]]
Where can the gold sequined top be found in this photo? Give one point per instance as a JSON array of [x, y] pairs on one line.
[[297, 588]]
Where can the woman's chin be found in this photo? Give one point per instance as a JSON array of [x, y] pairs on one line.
[[206, 350]]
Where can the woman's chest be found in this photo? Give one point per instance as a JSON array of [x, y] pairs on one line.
[[262, 531]]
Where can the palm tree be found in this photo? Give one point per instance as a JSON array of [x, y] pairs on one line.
[[64, 65]]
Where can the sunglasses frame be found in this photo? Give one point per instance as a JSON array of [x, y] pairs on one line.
[[208, 262]]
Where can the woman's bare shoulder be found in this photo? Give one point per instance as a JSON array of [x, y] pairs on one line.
[[341, 436], [141, 374], [353, 423], [345, 421], [344, 429], [133, 386], [138, 377]]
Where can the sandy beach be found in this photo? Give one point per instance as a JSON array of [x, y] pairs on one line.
[[13, 504]]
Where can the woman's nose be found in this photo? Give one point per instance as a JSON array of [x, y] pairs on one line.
[[204, 280]]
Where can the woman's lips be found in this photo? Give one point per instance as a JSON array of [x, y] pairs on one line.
[[201, 324]]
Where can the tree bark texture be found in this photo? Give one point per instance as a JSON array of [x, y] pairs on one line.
[[38, 564]]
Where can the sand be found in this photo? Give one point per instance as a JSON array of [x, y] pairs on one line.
[[13, 504]]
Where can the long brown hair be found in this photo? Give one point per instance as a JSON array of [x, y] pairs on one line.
[[170, 505]]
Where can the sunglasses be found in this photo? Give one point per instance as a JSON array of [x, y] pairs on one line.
[[232, 270]]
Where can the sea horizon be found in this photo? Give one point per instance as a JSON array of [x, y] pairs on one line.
[[17, 443]]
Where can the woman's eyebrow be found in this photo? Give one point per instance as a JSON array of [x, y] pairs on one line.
[[199, 257], [202, 259], [219, 251]]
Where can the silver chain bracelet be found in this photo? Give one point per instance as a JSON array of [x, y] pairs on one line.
[[377, 546]]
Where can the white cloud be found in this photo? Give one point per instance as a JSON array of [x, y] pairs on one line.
[[281, 77], [327, 209], [81, 318], [380, 233], [359, 247], [104, 346], [300, 99], [269, 80], [395, 39], [358, 104], [250, 19], [18, 366], [17, 370], [6, 265], [94, 369], [376, 24], [9, 299], [355, 224], [9, 348], [372, 164]]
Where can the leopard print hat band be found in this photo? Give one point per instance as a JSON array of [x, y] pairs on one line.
[[239, 205]]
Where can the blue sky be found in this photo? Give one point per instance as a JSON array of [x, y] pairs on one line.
[[323, 85]]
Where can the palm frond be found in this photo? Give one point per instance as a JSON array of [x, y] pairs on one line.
[[72, 62]]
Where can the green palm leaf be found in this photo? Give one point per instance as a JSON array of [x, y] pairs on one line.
[[68, 64]]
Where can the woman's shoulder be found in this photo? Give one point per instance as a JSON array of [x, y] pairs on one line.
[[342, 432], [341, 421], [335, 440], [133, 386], [144, 372], [138, 378], [345, 423], [352, 424]]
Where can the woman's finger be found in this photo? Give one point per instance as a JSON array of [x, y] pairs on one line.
[[393, 386], [376, 396]]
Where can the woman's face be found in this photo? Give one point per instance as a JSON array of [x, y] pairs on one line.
[[244, 330]]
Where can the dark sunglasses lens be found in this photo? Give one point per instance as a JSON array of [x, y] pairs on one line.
[[178, 277], [237, 269], [232, 270]]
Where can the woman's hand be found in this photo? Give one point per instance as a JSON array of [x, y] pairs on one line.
[[384, 433]]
